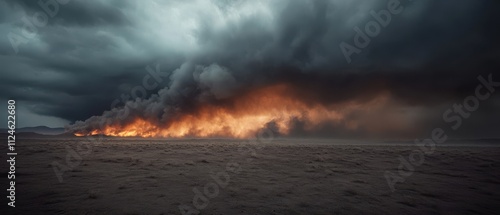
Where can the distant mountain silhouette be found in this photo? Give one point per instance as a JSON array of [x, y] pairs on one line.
[[44, 130]]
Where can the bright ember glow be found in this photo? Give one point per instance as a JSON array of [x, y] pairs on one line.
[[242, 117]]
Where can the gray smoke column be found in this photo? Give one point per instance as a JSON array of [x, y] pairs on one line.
[[426, 56]]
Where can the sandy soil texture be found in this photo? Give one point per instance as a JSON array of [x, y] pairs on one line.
[[131, 176]]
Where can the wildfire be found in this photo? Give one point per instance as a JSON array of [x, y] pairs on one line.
[[242, 117]]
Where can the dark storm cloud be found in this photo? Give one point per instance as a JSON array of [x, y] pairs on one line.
[[91, 52], [79, 13]]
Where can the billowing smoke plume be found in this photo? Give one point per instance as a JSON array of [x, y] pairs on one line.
[[281, 65]]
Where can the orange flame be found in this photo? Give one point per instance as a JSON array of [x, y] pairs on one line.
[[243, 118]]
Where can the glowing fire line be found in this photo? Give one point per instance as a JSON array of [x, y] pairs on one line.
[[243, 118]]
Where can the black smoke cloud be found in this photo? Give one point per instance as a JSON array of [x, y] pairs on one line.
[[92, 52]]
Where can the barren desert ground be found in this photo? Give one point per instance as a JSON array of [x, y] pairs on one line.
[[285, 176]]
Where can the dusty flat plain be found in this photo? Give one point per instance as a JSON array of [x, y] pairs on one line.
[[301, 176]]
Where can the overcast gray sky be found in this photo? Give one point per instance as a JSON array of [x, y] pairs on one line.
[[91, 52]]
